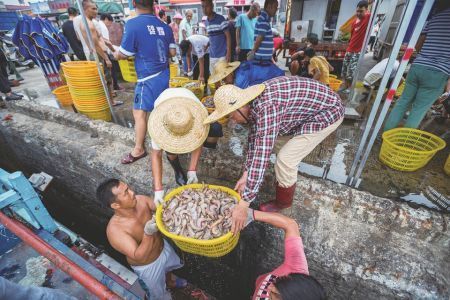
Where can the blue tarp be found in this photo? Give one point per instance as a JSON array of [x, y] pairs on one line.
[[253, 72]]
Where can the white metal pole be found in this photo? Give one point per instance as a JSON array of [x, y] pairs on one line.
[[99, 69], [390, 96], [398, 41]]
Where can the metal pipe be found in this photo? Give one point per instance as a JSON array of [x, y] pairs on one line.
[[97, 62], [390, 96], [85, 279], [398, 41]]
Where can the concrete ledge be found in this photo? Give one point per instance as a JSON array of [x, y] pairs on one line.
[[358, 245]]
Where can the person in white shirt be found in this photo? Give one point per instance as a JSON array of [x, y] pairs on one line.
[[196, 46]]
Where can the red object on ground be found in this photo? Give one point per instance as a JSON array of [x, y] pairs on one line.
[[359, 28], [84, 278], [8, 117], [277, 43]]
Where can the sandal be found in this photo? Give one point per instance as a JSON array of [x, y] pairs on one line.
[[129, 158]]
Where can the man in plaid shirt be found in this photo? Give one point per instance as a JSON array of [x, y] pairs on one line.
[[290, 116]]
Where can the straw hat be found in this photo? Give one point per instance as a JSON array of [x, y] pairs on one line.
[[229, 98], [221, 70], [176, 125]]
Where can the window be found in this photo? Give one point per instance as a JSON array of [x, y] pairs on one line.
[[332, 13]]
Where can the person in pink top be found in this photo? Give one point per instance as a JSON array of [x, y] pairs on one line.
[[175, 25], [291, 280]]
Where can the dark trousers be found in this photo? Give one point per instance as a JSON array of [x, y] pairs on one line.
[[114, 71], [196, 70], [243, 54], [4, 82], [372, 42]]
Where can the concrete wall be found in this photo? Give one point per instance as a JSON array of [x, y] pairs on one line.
[[358, 246], [348, 8]]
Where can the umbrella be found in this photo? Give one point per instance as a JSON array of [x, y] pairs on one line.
[[38, 40]]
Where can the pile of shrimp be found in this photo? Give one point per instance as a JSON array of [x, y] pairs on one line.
[[201, 213]]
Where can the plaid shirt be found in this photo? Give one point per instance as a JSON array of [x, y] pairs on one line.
[[288, 106]]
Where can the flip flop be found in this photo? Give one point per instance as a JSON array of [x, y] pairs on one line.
[[128, 159], [117, 103]]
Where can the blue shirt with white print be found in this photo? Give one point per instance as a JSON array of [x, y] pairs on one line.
[[148, 39], [216, 28]]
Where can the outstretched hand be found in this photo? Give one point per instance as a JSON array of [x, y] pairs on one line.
[[239, 217]]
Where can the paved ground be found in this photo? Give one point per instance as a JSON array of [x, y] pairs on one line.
[[332, 159]]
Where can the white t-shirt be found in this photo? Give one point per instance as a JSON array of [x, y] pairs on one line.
[[170, 93], [77, 26], [379, 69], [199, 43]]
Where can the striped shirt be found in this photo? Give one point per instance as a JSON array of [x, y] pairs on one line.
[[216, 28], [290, 105], [435, 52], [264, 29]]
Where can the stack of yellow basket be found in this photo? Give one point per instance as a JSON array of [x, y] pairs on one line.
[[86, 89]]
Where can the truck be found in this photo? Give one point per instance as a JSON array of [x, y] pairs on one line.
[[8, 20]]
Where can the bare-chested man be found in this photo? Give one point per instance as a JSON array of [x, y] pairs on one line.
[[100, 45], [132, 231]]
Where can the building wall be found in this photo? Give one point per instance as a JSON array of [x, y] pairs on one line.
[[348, 9]]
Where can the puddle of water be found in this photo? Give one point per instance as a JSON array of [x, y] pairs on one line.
[[419, 199]]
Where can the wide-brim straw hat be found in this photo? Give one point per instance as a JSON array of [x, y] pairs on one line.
[[221, 70], [229, 98], [177, 125]]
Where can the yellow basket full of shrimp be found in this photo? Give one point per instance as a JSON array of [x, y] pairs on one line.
[[197, 217]]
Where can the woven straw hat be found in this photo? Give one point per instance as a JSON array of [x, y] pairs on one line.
[[228, 98], [176, 125], [221, 70]]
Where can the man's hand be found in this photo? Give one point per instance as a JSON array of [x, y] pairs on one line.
[[242, 182], [201, 79], [116, 55], [150, 227], [158, 198], [251, 55], [192, 177], [108, 63], [239, 216]]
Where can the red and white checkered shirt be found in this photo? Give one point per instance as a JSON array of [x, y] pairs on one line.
[[290, 105]]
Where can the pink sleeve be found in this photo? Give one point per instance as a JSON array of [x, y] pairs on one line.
[[294, 258]]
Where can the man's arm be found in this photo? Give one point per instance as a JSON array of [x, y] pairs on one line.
[[228, 38], [188, 58], [330, 67], [96, 40], [314, 71], [156, 156], [258, 42], [201, 66], [420, 42], [126, 244], [148, 200], [238, 39]]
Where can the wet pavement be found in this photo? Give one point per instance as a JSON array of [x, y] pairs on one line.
[[332, 159]]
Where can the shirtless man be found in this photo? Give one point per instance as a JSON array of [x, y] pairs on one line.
[[132, 231], [100, 44]]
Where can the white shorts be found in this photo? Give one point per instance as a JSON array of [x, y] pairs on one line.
[[154, 274]]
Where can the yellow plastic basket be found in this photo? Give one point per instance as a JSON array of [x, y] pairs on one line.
[[211, 248], [62, 93], [127, 69], [335, 83], [104, 115], [173, 69], [408, 149], [198, 91], [447, 166], [177, 81]]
